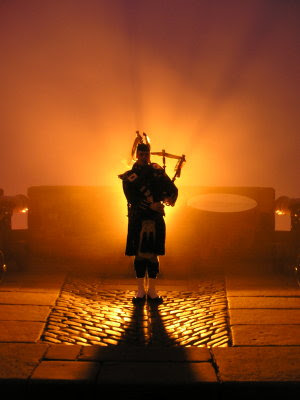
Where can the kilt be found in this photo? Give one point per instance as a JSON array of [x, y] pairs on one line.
[[137, 243]]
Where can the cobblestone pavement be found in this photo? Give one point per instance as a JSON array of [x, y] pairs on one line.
[[88, 314]]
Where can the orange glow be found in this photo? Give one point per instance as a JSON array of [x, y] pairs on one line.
[[78, 81]]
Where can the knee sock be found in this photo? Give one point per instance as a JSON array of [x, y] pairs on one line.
[[153, 269], [151, 288], [140, 266], [141, 287]]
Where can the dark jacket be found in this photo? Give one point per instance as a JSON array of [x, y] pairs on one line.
[[143, 185]]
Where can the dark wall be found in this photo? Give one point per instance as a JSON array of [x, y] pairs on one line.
[[206, 240], [87, 227], [78, 225]]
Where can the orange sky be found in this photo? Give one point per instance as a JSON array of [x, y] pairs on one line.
[[217, 81]]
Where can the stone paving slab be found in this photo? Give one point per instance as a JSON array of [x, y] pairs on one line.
[[145, 354], [33, 282], [18, 360], [266, 335], [263, 302], [66, 371], [34, 287], [10, 312], [264, 316], [63, 352], [41, 299], [155, 373], [260, 364], [240, 285], [21, 331]]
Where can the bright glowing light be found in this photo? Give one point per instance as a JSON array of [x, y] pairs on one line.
[[280, 212], [24, 210]]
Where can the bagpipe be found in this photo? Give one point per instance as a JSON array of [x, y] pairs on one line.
[[144, 139]]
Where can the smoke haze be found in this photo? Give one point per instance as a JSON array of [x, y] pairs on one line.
[[216, 81]]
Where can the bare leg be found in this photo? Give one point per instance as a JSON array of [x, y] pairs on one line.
[[153, 269]]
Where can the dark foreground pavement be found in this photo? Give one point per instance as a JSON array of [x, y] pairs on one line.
[[261, 360]]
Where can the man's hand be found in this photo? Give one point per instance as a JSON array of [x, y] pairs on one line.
[[158, 207], [170, 201]]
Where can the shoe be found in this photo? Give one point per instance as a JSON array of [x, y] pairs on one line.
[[156, 300], [139, 300]]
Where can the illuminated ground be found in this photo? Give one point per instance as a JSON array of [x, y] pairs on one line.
[[88, 314], [119, 347]]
